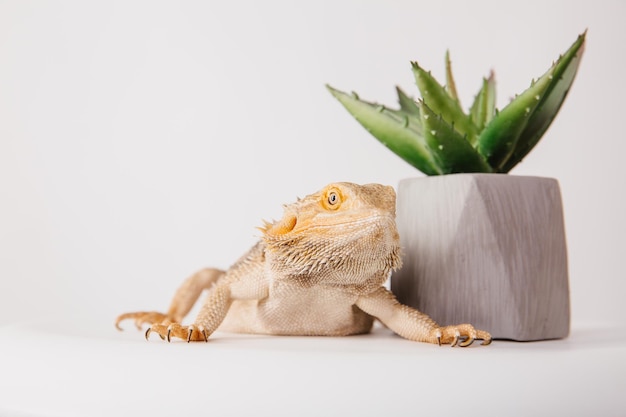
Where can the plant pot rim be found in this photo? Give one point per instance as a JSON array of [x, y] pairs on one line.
[[479, 174]]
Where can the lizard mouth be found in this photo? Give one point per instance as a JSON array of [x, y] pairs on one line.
[[291, 223], [351, 223], [284, 226]]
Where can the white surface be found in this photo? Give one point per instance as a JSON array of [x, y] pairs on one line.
[[143, 140], [54, 369]]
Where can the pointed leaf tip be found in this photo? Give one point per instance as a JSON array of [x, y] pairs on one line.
[[517, 128], [440, 101], [450, 84], [399, 131], [407, 104], [560, 79]]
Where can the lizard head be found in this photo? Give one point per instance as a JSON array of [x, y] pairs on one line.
[[344, 223]]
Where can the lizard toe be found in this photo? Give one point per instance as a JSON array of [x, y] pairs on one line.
[[141, 318], [462, 335], [176, 330]]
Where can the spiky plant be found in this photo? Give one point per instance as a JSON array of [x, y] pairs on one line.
[[437, 137]]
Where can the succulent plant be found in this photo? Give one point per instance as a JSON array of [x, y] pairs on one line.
[[437, 137]]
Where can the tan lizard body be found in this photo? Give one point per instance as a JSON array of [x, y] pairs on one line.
[[319, 270]]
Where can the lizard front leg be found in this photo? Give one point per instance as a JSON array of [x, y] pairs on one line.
[[209, 318], [245, 280], [215, 308], [415, 325], [184, 299]]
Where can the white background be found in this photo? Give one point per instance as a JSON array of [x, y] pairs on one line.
[[140, 141], [143, 140]]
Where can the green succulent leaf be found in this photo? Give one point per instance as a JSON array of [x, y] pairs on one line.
[[438, 99], [519, 126], [561, 76], [407, 104], [484, 107], [450, 84], [450, 149], [399, 131], [437, 137]]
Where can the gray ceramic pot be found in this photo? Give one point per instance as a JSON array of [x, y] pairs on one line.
[[485, 249]]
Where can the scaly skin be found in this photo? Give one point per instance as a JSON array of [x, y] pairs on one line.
[[319, 270]]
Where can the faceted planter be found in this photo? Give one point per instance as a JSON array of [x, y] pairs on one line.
[[485, 249]]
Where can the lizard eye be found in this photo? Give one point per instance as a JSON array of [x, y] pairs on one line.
[[333, 200]]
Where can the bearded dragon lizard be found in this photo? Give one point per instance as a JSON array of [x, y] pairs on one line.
[[320, 270]]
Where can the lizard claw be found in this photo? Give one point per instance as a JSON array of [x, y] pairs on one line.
[[457, 334], [147, 334], [201, 330], [468, 341]]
